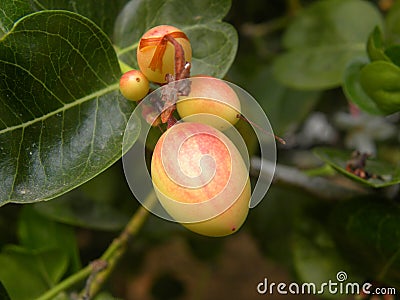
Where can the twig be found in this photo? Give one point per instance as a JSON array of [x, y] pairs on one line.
[[97, 266], [67, 283], [318, 186], [99, 271], [117, 248]]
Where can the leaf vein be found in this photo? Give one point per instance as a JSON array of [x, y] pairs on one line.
[[63, 108], [17, 163]]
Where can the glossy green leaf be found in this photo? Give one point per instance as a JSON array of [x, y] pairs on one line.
[[386, 174], [62, 117], [214, 43], [381, 81], [3, 293], [12, 10], [353, 89], [36, 232], [27, 274], [322, 40], [101, 12], [375, 46], [367, 230]]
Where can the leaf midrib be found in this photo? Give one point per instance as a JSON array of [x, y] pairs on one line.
[[63, 108]]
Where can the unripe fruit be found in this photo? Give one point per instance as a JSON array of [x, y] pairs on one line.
[[200, 178], [134, 85], [213, 97], [156, 54]]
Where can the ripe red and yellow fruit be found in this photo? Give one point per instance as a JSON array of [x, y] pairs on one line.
[[210, 101], [156, 55], [134, 85], [201, 179]]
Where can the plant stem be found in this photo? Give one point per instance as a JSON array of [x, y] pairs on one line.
[[117, 249], [68, 282], [110, 257], [316, 185], [124, 67], [127, 49]]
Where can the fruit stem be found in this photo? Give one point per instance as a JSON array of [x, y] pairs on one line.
[[124, 67], [179, 56], [279, 139], [100, 269]]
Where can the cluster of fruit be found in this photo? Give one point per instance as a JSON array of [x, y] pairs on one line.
[[198, 173]]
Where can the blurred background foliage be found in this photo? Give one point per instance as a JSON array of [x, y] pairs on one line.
[[301, 60]]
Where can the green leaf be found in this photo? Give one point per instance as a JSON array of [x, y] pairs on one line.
[[3, 293], [36, 232], [103, 203], [285, 107], [316, 258], [386, 173], [12, 10], [381, 81], [367, 232], [322, 40], [315, 68], [332, 22], [27, 274], [393, 53], [274, 220], [76, 209], [101, 12], [392, 24], [62, 117], [353, 89], [214, 43], [375, 46]]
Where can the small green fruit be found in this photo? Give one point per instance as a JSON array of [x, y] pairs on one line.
[[134, 85]]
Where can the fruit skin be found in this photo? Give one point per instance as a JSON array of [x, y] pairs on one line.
[[213, 97], [209, 209], [134, 85], [145, 54], [229, 221]]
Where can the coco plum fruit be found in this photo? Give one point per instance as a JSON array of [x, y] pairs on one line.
[[200, 179], [210, 101], [134, 85], [156, 52]]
